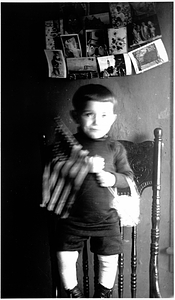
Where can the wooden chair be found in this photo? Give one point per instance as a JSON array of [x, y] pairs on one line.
[[145, 160]]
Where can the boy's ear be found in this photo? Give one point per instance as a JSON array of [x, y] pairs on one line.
[[74, 115]]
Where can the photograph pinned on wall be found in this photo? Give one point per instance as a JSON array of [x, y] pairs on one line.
[[97, 21], [120, 14], [82, 67], [72, 21], [56, 63], [117, 38], [52, 33], [71, 45], [149, 56], [115, 65], [81, 64], [142, 8], [96, 43], [143, 31]]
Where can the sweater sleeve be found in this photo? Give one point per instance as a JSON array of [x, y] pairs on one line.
[[122, 165]]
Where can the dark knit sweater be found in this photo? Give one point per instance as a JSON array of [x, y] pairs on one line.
[[91, 214]]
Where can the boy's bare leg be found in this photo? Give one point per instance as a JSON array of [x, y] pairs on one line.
[[107, 270], [107, 274], [67, 267]]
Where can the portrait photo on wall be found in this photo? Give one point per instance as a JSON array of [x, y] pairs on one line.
[[52, 34], [72, 22], [56, 63], [142, 31], [117, 38], [148, 56], [71, 45], [72, 14], [120, 14], [96, 43], [114, 65]]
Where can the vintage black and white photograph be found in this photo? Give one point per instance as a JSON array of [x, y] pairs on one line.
[[52, 33], [115, 65], [143, 31], [56, 63], [84, 67], [87, 202], [117, 39], [120, 14], [96, 43], [71, 45], [72, 19], [82, 64], [150, 56]]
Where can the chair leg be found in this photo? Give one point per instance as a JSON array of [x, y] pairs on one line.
[[134, 263], [121, 268], [85, 270]]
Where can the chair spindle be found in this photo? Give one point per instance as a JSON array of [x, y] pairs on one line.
[[96, 270], [134, 262], [121, 268], [85, 270], [155, 218]]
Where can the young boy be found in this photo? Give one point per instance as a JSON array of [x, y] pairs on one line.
[[91, 215]]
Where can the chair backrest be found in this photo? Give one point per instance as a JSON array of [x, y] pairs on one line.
[[145, 160]]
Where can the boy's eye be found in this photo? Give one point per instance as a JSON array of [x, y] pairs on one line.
[[88, 114]]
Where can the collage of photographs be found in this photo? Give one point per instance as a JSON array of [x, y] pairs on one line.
[[114, 39]]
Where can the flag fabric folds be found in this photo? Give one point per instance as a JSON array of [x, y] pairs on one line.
[[62, 180]]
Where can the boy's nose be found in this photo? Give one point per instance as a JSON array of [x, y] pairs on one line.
[[97, 119]]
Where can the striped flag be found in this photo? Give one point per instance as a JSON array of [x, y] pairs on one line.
[[62, 179]]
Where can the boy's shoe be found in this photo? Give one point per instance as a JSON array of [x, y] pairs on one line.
[[102, 292], [75, 293]]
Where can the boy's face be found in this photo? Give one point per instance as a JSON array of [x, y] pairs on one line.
[[96, 119]]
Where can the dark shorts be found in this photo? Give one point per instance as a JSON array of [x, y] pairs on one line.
[[108, 245]]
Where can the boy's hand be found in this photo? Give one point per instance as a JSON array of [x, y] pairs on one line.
[[96, 164], [105, 179]]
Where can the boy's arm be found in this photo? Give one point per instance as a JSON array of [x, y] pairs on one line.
[[123, 169]]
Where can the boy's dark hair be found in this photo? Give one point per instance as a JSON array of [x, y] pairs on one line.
[[94, 92]]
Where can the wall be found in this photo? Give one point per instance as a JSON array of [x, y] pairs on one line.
[[30, 100]]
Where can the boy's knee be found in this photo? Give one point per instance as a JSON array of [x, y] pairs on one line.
[[67, 257], [108, 258]]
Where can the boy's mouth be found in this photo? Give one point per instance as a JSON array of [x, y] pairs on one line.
[[94, 129]]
